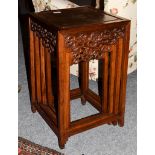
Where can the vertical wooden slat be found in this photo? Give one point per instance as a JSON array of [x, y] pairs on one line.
[[32, 69], [124, 74], [105, 82], [112, 78], [83, 79], [43, 78], [49, 78], [67, 89], [118, 74], [63, 69], [37, 67]]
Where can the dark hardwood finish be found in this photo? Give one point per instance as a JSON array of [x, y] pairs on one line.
[[65, 19], [57, 40]]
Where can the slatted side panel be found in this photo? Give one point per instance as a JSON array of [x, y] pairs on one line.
[[111, 74], [41, 76], [110, 69], [43, 73]]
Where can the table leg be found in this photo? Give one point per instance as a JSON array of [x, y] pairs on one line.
[[124, 75], [104, 76], [117, 76], [63, 71], [32, 71], [111, 78], [83, 79]]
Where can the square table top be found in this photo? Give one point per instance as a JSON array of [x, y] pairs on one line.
[[74, 17]]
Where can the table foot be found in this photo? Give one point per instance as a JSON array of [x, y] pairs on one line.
[[33, 108], [62, 143], [114, 123], [121, 122], [62, 146], [83, 100]]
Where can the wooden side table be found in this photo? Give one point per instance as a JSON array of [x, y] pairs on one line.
[[61, 38]]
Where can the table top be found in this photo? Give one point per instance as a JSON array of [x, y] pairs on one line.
[[74, 17]]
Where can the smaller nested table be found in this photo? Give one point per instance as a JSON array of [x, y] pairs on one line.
[[61, 38]]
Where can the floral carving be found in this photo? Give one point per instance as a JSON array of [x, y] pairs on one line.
[[48, 38], [92, 45]]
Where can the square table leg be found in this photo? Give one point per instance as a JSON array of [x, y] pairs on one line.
[[124, 75], [103, 72], [32, 72], [63, 71], [83, 79]]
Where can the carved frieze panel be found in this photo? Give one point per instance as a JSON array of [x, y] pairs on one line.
[[48, 38], [86, 46]]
